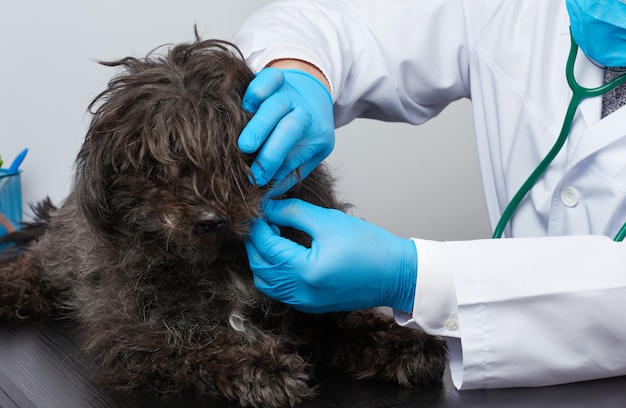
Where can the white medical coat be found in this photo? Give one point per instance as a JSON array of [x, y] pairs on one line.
[[548, 305]]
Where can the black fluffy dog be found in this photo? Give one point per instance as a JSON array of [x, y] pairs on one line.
[[146, 254]]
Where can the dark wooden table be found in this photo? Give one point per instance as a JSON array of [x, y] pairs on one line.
[[39, 367]]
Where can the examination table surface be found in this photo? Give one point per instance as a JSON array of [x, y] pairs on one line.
[[40, 367]]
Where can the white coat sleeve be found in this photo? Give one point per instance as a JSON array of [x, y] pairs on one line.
[[401, 61], [531, 311]]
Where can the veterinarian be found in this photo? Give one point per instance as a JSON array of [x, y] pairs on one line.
[[544, 306]]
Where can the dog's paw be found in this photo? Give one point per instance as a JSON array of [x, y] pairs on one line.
[[370, 345], [269, 381], [410, 357]]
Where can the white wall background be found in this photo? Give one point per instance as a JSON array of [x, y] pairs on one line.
[[415, 181]]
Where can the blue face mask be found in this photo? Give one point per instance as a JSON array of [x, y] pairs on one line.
[[599, 29]]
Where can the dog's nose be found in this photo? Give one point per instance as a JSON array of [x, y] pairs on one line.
[[210, 221]]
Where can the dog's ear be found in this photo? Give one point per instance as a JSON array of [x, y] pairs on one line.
[[90, 186]]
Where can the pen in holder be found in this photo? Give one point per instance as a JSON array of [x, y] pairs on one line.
[[11, 196], [10, 201]]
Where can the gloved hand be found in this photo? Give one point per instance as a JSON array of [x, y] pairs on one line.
[[351, 264], [292, 128]]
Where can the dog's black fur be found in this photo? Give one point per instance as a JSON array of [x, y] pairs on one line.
[[146, 253]]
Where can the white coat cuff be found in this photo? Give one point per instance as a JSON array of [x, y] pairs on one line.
[[435, 309]]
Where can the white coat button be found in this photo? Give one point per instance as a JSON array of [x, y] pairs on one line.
[[570, 196], [452, 324]]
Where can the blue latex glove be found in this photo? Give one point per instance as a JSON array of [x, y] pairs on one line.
[[351, 264], [292, 127]]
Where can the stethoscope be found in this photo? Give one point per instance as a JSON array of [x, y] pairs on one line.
[[579, 94]]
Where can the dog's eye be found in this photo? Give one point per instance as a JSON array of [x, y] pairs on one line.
[[210, 222]]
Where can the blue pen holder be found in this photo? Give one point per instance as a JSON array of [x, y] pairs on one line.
[[10, 202]]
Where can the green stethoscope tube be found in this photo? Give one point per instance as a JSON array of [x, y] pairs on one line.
[[579, 94]]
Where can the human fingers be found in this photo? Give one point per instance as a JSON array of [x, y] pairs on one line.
[[300, 215], [262, 124], [266, 248], [270, 257], [264, 84], [298, 170], [281, 146]]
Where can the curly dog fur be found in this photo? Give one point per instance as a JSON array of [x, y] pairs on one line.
[[147, 252]]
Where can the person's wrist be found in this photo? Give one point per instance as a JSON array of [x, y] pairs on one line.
[[403, 287], [301, 65], [302, 80]]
